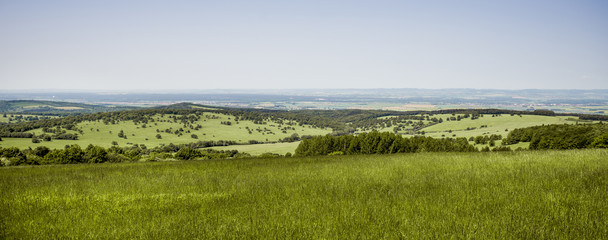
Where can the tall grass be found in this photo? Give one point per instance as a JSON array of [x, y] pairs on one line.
[[531, 195]]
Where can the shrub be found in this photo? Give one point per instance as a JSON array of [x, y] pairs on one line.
[[96, 154], [187, 153], [336, 153], [41, 151], [269, 155], [117, 158]]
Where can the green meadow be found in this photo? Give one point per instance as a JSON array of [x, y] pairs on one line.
[[500, 125], [244, 131], [514, 195], [466, 127], [212, 129]]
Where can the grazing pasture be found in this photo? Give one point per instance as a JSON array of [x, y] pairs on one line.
[[213, 127], [512, 195], [488, 124]]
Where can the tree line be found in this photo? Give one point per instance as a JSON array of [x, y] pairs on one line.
[[73, 154], [562, 136], [379, 143]]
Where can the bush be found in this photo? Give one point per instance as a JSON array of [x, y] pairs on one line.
[[269, 155], [10, 152], [336, 153], [96, 154], [22, 160], [187, 153], [501, 149], [41, 151], [600, 141], [117, 158]]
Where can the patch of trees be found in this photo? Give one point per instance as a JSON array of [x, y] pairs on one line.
[[293, 138], [74, 154], [66, 136], [485, 139], [379, 143], [561, 136]]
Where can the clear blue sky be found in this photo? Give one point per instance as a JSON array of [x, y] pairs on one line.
[[100, 45]]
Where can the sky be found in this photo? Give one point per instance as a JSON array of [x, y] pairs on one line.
[[172, 45]]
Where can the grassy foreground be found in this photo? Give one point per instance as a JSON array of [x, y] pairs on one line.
[[530, 195]]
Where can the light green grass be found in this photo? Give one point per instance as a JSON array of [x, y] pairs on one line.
[[496, 125], [257, 149], [499, 125], [212, 130], [523, 195]]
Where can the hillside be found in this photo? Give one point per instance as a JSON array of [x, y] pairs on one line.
[[215, 126], [55, 107]]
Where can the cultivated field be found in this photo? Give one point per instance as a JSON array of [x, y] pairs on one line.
[[515, 195]]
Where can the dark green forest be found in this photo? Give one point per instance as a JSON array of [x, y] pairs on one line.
[[561, 136]]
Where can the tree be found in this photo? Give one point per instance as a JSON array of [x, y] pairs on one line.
[[96, 154], [74, 154], [158, 136], [600, 141], [187, 153], [41, 151]]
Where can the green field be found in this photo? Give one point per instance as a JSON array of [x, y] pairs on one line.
[[495, 125], [98, 133], [520, 195], [101, 134]]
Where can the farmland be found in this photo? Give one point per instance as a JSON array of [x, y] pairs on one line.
[[529, 195]]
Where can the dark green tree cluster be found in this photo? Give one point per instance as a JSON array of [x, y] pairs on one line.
[[74, 154], [485, 139], [561, 136], [379, 143]]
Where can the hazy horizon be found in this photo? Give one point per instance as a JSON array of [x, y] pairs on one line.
[[273, 45], [263, 90]]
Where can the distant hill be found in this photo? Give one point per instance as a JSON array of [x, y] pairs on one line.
[[55, 107], [187, 105]]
